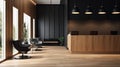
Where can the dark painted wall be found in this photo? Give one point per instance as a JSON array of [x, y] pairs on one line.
[[94, 6], [95, 22], [50, 21]]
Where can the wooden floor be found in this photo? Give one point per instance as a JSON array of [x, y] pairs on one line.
[[57, 56]]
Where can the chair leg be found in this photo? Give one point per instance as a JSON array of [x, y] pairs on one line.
[[39, 46], [37, 49], [24, 56]]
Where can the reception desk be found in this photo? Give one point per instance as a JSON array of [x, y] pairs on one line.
[[100, 44]]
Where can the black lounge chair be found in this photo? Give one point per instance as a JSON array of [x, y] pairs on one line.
[[22, 48]]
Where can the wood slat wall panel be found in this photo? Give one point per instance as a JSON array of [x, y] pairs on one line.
[[73, 42], [94, 44], [69, 42], [90, 46], [106, 41]]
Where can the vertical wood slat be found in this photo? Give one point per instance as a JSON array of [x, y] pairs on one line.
[[89, 40], [20, 20], [98, 43], [31, 27], [107, 48], [69, 42], [8, 28], [73, 47]]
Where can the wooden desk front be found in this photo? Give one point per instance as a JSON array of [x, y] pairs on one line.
[[94, 43]]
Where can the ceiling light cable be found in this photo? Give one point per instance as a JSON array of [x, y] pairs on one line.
[[115, 10], [101, 10]]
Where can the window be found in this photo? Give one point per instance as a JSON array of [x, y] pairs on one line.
[[33, 28], [27, 27], [2, 29], [15, 27]]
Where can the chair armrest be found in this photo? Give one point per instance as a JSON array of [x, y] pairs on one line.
[[39, 42], [25, 45]]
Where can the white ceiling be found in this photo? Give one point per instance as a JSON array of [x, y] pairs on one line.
[[47, 1]]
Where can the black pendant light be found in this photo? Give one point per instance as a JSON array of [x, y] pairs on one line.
[[75, 10], [101, 10], [115, 10], [88, 10]]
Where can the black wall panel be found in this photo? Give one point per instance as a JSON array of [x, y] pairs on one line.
[[95, 7], [50, 21], [65, 3]]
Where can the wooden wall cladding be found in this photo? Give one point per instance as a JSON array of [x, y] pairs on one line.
[[24, 6], [8, 28], [103, 27], [94, 44]]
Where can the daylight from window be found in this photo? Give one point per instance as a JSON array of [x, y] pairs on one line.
[[15, 27], [27, 27], [2, 29]]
